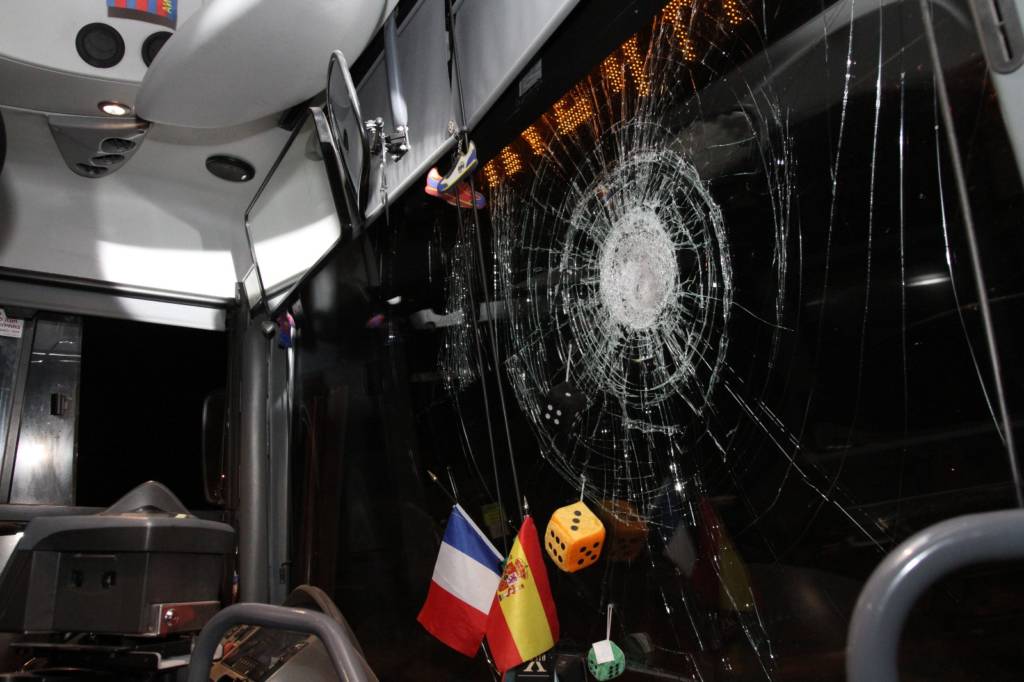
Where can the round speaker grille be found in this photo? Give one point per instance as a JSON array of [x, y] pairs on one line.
[[99, 45], [152, 45]]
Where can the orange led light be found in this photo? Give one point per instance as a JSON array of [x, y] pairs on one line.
[[532, 138], [636, 66], [571, 111], [671, 11], [683, 39], [575, 107], [510, 160], [491, 174], [611, 71], [733, 11]]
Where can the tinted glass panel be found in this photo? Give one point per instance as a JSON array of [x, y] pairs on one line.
[[737, 313]]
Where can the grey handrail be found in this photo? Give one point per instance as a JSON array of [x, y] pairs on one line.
[[396, 98], [340, 646], [909, 570]]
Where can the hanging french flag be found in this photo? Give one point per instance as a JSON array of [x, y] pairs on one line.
[[163, 12], [465, 578]]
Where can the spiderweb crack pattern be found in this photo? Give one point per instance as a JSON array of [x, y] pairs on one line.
[[616, 269], [649, 252], [456, 356], [645, 279], [615, 266]]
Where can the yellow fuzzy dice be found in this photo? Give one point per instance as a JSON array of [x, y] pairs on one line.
[[574, 537]]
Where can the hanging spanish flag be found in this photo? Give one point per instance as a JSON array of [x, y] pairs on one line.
[[523, 623]]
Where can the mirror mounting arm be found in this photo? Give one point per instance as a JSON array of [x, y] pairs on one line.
[[396, 144]]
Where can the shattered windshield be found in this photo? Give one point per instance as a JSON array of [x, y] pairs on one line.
[[726, 293], [746, 252]]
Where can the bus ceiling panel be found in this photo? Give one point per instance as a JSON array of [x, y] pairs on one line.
[[69, 58], [238, 60], [166, 223], [126, 229]]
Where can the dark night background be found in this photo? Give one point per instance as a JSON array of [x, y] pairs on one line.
[[141, 404]]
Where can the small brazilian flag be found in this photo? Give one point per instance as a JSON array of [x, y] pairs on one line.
[[163, 12], [523, 623]]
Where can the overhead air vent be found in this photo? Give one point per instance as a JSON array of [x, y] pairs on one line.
[[96, 146], [108, 160], [100, 45], [117, 145], [90, 170]]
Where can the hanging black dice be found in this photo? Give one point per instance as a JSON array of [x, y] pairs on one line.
[[563, 403]]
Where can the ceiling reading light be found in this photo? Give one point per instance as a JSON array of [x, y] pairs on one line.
[[115, 108]]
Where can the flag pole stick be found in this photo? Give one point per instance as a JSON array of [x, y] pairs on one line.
[[490, 662], [451, 481], [437, 481]]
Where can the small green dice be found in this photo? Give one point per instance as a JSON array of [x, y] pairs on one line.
[[606, 660]]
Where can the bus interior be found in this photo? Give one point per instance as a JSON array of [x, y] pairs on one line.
[[511, 340]]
